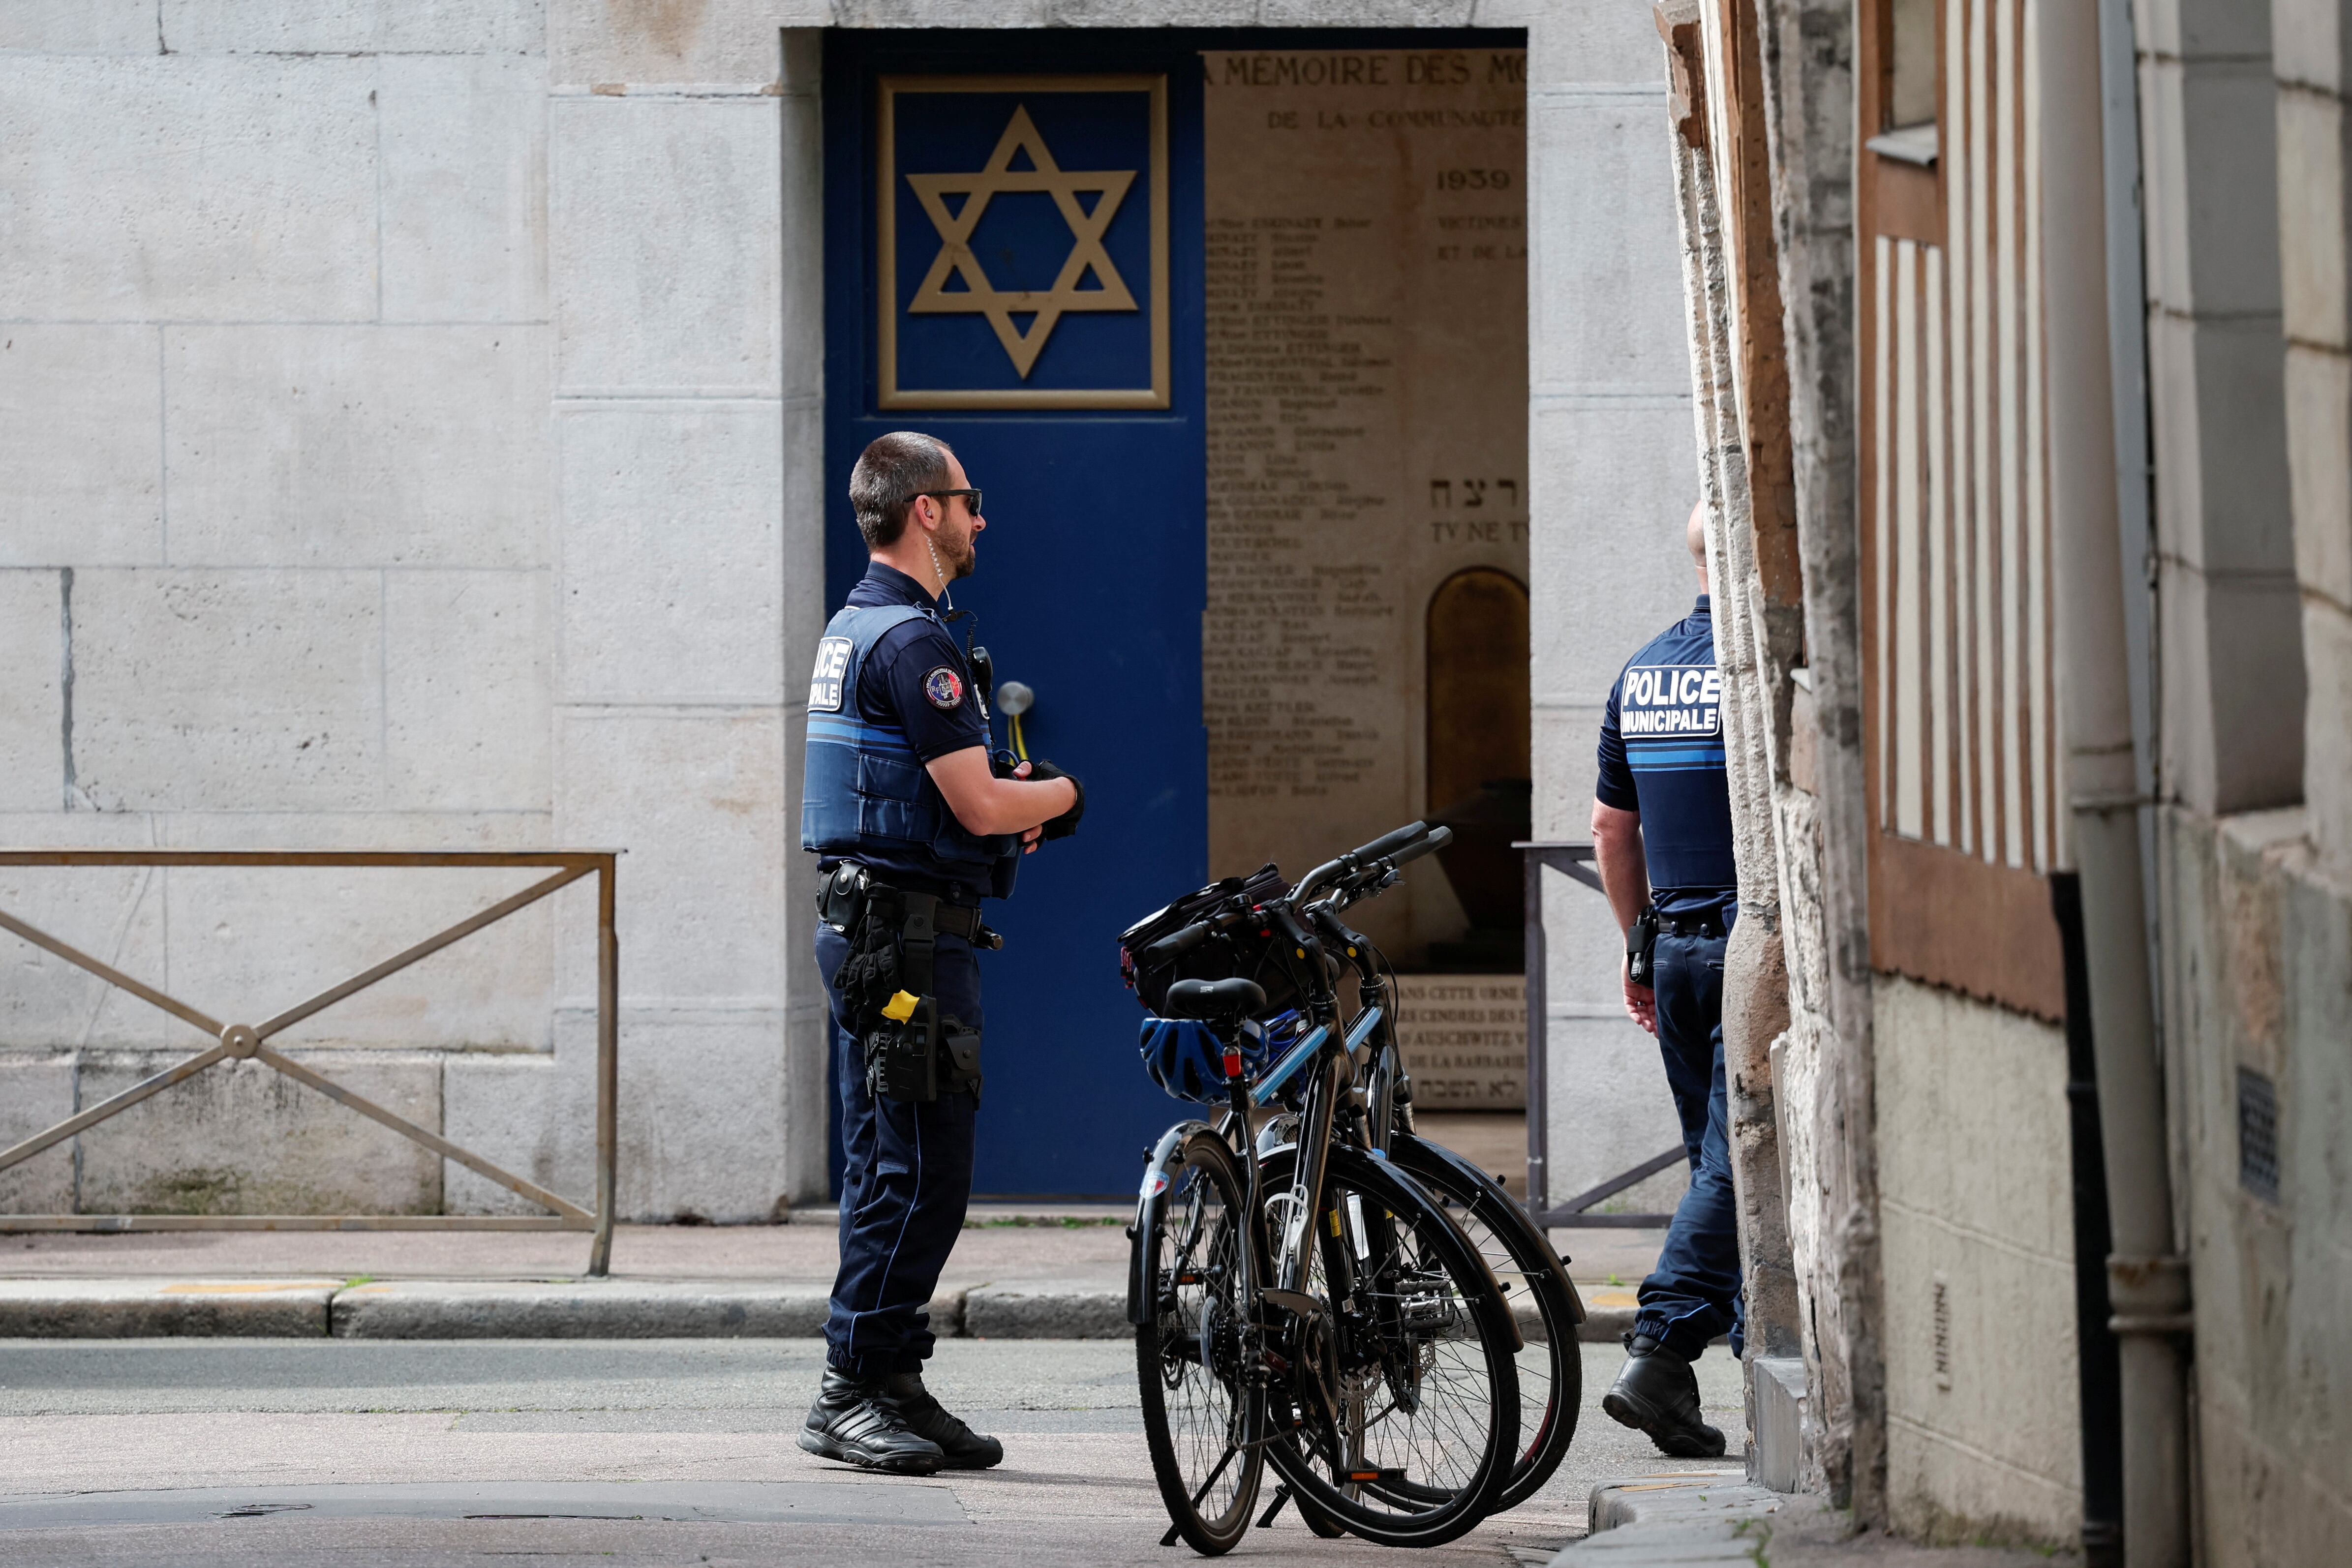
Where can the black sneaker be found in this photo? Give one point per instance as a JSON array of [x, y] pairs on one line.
[[965, 1448], [855, 1422], [1658, 1393]]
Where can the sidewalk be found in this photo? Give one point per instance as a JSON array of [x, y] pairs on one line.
[[1018, 1272], [1669, 1521]]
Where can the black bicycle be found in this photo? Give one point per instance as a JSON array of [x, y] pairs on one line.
[[1532, 1274], [1307, 1305]]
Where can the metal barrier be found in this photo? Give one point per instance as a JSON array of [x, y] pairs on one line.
[[243, 1041], [1574, 860]]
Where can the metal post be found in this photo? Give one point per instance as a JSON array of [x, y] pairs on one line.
[[608, 1067], [1538, 1042]]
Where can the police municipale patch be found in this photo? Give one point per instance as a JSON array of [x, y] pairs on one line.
[[944, 687]]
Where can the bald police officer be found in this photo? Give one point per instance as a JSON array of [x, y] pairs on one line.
[[1662, 834], [914, 825]]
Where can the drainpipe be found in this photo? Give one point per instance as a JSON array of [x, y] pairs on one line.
[[2148, 1281]]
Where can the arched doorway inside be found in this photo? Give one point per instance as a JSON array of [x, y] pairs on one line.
[[1479, 722]]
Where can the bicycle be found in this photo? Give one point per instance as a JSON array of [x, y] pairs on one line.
[[1514, 1248], [1314, 1308]]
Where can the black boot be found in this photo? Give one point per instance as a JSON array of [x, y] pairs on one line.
[[855, 1422], [965, 1448], [1658, 1393]]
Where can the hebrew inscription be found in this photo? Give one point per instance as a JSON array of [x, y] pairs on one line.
[[1366, 429]]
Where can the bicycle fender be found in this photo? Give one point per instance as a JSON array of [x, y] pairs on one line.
[[1410, 1147], [1149, 1200]]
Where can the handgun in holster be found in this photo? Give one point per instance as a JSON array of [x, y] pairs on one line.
[[916, 1051], [1641, 948]]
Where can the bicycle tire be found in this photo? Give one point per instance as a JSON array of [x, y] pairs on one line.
[[1189, 1345], [1447, 1481], [1548, 1402]]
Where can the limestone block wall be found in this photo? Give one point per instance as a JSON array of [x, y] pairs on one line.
[[1976, 1209], [404, 442], [2258, 1004], [410, 431]]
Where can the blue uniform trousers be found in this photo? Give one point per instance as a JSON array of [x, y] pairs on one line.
[[1694, 1294], [904, 1186]]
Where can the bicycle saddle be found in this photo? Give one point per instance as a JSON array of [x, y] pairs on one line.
[[1222, 1000]]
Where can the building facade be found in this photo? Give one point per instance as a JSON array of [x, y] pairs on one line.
[[2040, 371], [429, 430]]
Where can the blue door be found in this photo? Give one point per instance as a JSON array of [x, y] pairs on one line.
[[1029, 291]]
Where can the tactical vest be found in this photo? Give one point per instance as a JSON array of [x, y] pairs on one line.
[[867, 797]]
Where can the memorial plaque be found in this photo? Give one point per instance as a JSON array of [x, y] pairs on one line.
[[1464, 1040], [1366, 432]]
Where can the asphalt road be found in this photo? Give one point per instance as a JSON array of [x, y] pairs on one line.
[[628, 1452]]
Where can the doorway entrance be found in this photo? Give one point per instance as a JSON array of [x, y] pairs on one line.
[[1231, 325]]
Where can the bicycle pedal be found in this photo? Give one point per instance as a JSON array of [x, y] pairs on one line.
[[1378, 1478]]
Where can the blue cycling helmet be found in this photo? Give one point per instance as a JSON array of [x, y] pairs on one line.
[[1185, 1058]]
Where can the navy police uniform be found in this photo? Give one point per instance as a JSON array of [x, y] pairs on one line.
[[1661, 755], [892, 692]]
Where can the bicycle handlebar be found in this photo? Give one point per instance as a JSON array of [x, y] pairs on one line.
[[1437, 839]]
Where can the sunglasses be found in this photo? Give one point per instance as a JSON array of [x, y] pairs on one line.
[[943, 495]]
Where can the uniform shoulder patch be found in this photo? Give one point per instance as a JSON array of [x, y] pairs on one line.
[[944, 687], [825, 681]]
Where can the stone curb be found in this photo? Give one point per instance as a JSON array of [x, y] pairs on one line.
[[496, 1309], [1605, 1325], [560, 1309], [127, 1309], [524, 1309], [1669, 1520], [1045, 1311]]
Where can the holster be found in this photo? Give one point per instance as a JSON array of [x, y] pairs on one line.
[[929, 1052], [1641, 948]]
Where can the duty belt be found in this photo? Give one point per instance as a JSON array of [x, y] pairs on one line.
[[845, 892], [1711, 930]]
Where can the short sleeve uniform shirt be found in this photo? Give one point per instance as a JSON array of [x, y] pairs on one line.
[[1661, 755], [915, 677]]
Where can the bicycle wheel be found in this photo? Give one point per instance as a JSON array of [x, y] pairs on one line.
[[1199, 1414], [1398, 1414], [1552, 1369]]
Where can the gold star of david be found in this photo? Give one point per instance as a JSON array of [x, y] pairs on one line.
[[1046, 308]]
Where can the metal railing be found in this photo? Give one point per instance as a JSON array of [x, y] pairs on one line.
[[250, 1042], [1573, 859]]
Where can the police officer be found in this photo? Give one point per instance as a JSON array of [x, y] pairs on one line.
[[914, 825], [1662, 835]]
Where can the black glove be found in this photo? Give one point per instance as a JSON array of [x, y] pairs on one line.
[[1063, 826]]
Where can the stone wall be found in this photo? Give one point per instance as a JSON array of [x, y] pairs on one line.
[[405, 446], [1984, 1411], [2259, 999], [409, 436]]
